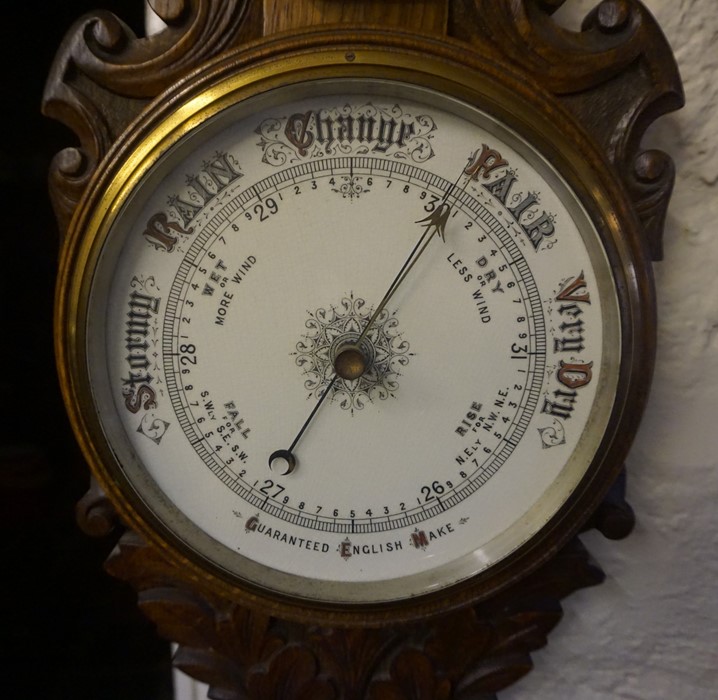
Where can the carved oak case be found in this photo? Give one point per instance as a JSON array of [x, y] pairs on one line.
[[607, 82]]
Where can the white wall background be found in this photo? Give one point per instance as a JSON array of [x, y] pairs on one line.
[[650, 632]]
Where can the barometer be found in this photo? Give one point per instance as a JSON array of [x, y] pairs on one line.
[[355, 327], [350, 336]]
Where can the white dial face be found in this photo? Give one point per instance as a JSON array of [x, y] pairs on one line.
[[307, 403]]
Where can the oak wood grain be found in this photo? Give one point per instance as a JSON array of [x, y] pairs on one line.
[[429, 16]]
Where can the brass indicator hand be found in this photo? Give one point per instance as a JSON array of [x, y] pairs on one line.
[[435, 223], [351, 363]]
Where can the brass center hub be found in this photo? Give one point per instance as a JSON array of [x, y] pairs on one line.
[[350, 363]]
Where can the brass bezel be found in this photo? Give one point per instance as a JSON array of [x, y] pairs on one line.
[[452, 69]]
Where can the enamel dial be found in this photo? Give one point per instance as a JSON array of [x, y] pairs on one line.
[[347, 340]]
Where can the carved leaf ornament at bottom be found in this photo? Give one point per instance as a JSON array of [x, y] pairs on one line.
[[245, 655]]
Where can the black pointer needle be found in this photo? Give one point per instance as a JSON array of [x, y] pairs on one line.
[[436, 223], [284, 461], [350, 364]]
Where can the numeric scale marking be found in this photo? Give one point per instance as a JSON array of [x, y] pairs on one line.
[[405, 173]]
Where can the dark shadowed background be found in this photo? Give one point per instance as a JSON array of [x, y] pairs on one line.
[[67, 630]]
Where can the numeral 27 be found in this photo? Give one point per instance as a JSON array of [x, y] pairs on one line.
[[271, 488]]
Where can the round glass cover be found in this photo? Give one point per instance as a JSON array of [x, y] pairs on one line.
[[352, 340]]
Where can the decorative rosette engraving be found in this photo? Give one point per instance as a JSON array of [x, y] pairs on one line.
[[351, 187], [329, 331]]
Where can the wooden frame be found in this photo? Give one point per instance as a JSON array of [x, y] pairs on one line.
[[608, 83]]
